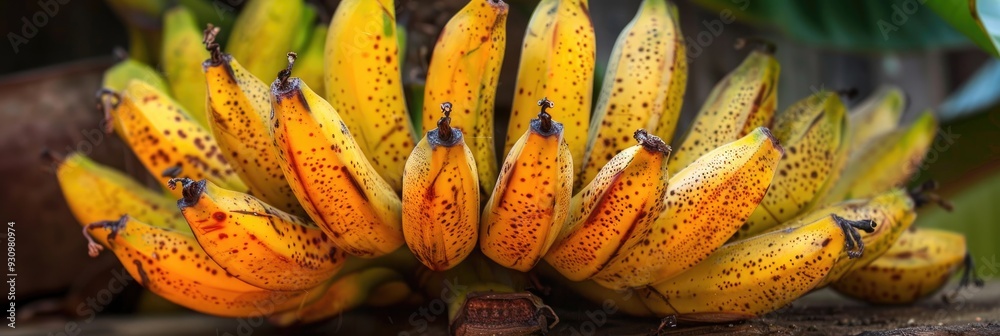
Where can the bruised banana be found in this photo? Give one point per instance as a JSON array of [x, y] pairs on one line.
[[348, 292], [877, 115], [919, 264], [363, 78], [530, 202], [165, 138], [182, 55], [95, 192], [240, 113], [464, 70], [742, 101], [620, 202], [262, 34], [161, 260], [887, 162], [751, 277], [257, 243], [813, 133], [441, 197], [643, 86], [705, 204], [557, 60], [330, 176]]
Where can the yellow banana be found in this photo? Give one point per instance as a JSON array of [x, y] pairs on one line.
[[705, 204], [166, 139], [643, 86], [240, 111], [530, 202], [310, 62], [329, 174], [263, 32], [441, 197], [161, 260], [95, 192], [118, 75], [877, 115], [182, 55], [886, 162], [757, 275], [739, 103], [621, 201], [916, 266], [813, 133], [255, 242], [348, 292], [557, 60], [363, 75], [464, 70]]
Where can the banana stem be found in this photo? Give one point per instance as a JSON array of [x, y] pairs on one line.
[[760, 44], [853, 238], [922, 195], [93, 248], [651, 142], [106, 107], [191, 190], [847, 94], [211, 32], [285, 74], [544, 116], [445, 133]]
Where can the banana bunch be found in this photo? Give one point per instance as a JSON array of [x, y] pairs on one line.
[[299, 198]]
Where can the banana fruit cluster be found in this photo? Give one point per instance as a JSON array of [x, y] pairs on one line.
[[315, 194]]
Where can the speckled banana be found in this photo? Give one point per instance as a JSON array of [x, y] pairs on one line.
[[621, 201], [643, 86], [530, 202], [757, 275], [165, 138], [886, 162], [347, 292], [464, 70], [330, 176], [877, 115], [705, 204], [740, 102], [240, 115], [160, 260], [919, 264], [363, 75], [95, 192], [181, 58], [258, 243], [441, 197], [813, 133], [557, 60], [263, 32]]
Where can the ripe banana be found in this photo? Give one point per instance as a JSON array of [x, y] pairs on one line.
[[877, 115], [557, 60], [255, 242], [886, 162], [530, 202], [621, 201], [348, 292], [329, 174], [165, 138], [270, 21], [916, 266], [464, 70], [757, 275], [118, 75], [363, 75], [643, 86], [813, 133], [739, 103], [705, 204], [182, 55], [95, 192], [161, 260], [240, 111], [441, 197]]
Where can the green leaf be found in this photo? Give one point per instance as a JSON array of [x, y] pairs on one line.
[[979, 20]]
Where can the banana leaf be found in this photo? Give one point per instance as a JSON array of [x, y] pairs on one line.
[[979, 20]]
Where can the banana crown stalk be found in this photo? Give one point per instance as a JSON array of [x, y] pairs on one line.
[[742, 101], [256, 242], [530, 202], [620, 202], [330, 176], [441, 197]]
